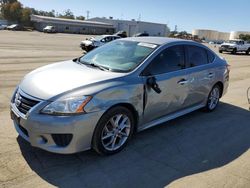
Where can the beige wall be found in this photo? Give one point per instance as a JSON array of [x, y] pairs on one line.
[[223, 36], [236, 34], [211, 35]]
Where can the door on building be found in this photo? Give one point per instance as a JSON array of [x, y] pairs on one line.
[[131, 30]]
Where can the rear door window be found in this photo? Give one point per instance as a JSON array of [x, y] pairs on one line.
[[197, 56]]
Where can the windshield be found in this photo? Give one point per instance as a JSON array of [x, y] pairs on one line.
[[119, 55], [97, 38], [232, 41]]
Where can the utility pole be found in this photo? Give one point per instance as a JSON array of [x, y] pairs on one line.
[[139, 18], [88, 12], [175, 28]]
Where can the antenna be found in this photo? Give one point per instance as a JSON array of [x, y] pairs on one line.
[[88, 12]]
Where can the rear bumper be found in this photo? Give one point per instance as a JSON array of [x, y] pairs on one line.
[[57, 134]]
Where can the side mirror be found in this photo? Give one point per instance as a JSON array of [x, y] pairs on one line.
[[151, 82]]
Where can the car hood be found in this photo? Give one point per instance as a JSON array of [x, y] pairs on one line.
[[87, 42], [54, 79], [228, 44]]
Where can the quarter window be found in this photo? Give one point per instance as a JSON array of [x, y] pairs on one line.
[[210, 56], [169, 60], [197, 56]]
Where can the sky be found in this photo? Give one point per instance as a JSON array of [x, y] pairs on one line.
[[221, 15]]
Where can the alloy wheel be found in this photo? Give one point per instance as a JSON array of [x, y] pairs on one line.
[[213, 98], [116, 132]]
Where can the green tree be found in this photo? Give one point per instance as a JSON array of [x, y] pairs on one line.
[[25, 20], [80, 18], [2, 2], [67, 14], [12, 11], [244, 37]]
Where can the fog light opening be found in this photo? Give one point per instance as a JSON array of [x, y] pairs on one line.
[[43, 140]]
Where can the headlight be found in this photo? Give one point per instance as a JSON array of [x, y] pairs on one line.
[[67, 106]]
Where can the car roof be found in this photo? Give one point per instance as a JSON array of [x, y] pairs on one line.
[[156, 40]]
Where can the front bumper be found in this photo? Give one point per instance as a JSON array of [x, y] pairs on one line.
[[226, 49], [40, 130], [86, 48]]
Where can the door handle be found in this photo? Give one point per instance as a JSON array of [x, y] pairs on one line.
[[182, 82]]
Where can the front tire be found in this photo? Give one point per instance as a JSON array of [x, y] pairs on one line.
[[113, 131], [220, 51], [234, 51], [248, 51], [213, 98]]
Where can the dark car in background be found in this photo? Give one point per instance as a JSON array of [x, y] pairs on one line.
[[141, 34], [122, 34]]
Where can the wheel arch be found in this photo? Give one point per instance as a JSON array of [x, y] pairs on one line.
[[131, 108], [221, 85], [128, 106]]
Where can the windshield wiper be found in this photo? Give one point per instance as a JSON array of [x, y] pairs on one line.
[[96, 66], [99, 66]]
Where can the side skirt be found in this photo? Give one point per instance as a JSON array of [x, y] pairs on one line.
[[168, 117]]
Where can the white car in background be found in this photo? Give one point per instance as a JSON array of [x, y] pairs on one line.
[[94, 42], [235, 46], [49, 29]]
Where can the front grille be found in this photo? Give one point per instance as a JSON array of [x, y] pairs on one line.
[[24, 103], [62, 140], [225, 46]]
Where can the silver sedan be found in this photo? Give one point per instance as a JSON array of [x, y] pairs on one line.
[[99, 100]]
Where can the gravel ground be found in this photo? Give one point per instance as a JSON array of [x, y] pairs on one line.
[[197, 150]]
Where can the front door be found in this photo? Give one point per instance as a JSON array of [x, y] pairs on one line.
[[168, 70]]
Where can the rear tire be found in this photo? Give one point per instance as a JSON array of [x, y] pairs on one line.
[[213, 98], [113, 131], [234, 51]]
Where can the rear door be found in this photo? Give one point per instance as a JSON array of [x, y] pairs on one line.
[[201, 73], [168, 68]]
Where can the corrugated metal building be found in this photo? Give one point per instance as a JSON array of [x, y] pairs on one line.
[[132, 27], [211, 35], [72, 26]]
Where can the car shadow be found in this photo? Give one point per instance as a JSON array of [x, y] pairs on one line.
[[238, 53], [194, 143]]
